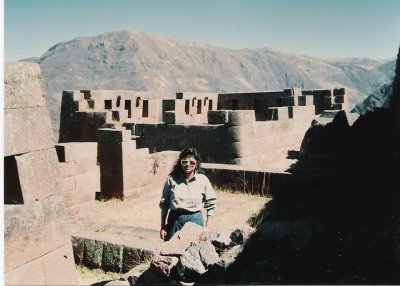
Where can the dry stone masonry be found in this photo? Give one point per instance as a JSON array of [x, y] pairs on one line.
[[37, 241]]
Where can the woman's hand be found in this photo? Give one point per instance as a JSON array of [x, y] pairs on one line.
[[163, 234]]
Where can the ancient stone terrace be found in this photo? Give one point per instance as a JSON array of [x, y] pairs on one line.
[[236, 128]]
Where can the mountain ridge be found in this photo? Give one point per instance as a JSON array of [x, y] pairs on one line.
[[135, 60]]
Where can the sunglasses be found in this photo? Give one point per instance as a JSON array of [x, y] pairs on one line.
[[188, 162]]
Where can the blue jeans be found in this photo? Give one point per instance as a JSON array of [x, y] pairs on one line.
[[177, 220]]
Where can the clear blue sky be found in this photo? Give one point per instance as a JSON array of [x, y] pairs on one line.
[[324, 28]]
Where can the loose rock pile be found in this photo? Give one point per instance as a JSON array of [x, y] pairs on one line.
[[192, 255]]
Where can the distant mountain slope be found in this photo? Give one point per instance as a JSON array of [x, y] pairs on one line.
[[129, 59]]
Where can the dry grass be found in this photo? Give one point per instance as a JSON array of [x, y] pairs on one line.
[[233, 210], [88, 276]]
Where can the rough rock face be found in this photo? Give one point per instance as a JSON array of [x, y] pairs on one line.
[[341, 224], [37, 242], [192, 258]]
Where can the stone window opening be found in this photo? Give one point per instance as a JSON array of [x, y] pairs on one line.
[[210, 104], [12, 185], [118, 101], [199, 106], [138, 101], [107, 104], [193, 100], [187, 106], [205, 100], [145, 112], [128, 106]]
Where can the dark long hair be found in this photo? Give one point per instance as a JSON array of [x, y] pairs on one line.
[[177, 169]]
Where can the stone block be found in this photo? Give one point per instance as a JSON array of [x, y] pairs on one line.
[[99, 118], [31, 273], [93, 253], [27, 130], [82, 195], [138, 168], [292, 92], [73, 168], [306, 100], [164, 264], [217, 116], [135, 256], [88, 179], [174, 117], [302, 111], [329, 100], [113, 135], [38, 172], [23, 85], [181, 240], [112, 257], [81, 106], [141, 154], [67, 184], [340, 98], [241, 117], [84, 116], [128, 147], [139, 179], [289, 101], [34, 229], [59, 266], [339, 91], [76, 151], [278, 113], [78, 247]]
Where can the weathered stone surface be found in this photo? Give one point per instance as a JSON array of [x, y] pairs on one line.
[[135, 256], [217, 116], [113, 135], [38, 172], [32, 230], [31, 273], [59, 266], [196, 260], [278, 113], [81, 195], [78, 245], [242, 234], [174, 117], [88, 179], [163, 265], [27, 130], [76, 151], [220, 240], [241, 117], [112, 257], [117, 283], [306, 100], [190, 266], [181, 240], [93, 253], [23, 85], [134, 274]]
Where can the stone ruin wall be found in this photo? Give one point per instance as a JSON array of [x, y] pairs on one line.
[[37, 241], [226, 128]]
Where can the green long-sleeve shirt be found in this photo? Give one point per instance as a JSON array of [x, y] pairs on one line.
[[191, 195]]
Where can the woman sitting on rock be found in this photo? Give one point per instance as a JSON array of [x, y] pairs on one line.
[[185, 193]]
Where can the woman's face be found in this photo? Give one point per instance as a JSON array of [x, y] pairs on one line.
[[188, 164]]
